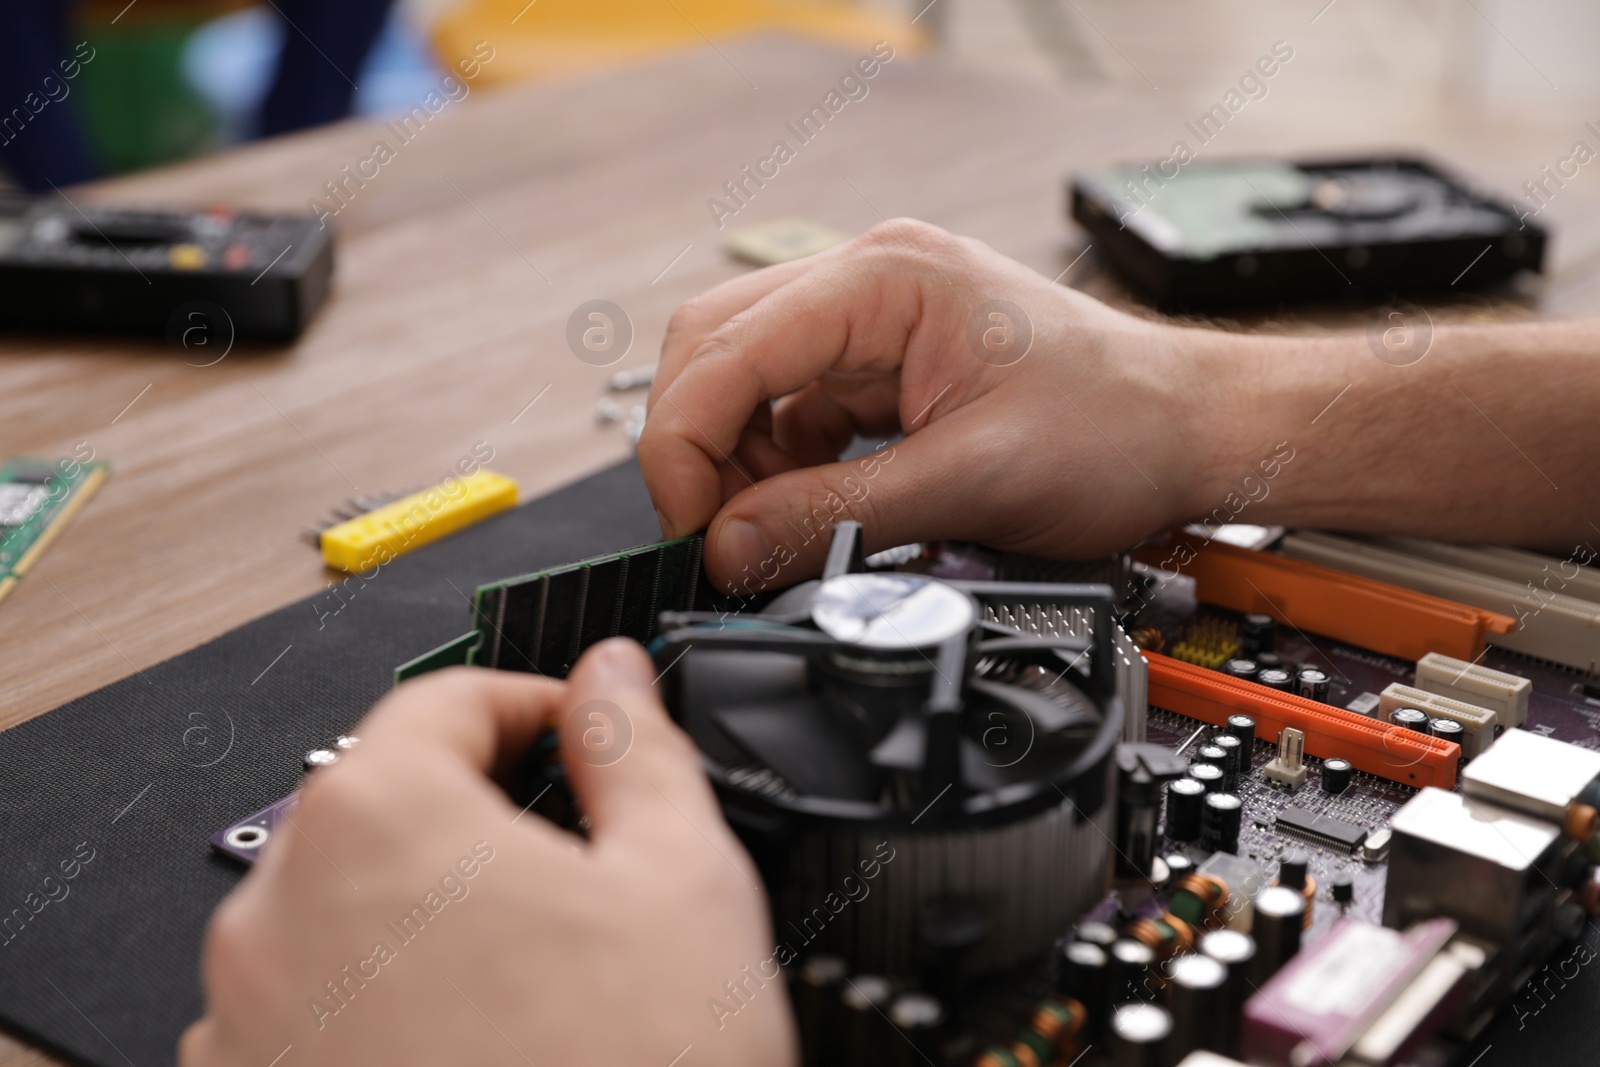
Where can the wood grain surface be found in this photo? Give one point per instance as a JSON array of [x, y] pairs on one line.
[[460, 263]]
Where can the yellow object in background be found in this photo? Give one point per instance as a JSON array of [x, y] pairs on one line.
[[377, 537], [186, 257], [546, 37], [781, 241]]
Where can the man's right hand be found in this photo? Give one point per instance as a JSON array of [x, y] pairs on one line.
[[1056, 426]]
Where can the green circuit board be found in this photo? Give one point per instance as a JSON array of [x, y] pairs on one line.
[[38, 497]]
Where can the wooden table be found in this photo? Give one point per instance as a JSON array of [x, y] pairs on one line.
[[459, 265]]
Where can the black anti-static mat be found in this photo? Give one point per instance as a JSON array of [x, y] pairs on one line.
[[142, 772], [106, 973]]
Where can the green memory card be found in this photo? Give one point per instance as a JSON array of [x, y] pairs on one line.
[[38, 497]]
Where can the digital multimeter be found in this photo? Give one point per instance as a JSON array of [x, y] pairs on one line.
[[111, 270]]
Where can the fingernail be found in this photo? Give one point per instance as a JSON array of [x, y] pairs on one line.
[[666, 527], [742, 544], [625, 661]]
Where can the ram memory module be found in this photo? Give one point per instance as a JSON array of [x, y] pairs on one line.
[[38, 497], [540, 623]]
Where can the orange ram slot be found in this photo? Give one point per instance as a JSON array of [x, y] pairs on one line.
[[1346, 607], [1383, 749]]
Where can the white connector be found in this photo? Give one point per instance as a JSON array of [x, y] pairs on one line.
[[1288, 767], [1504, 694], [1477, 723]]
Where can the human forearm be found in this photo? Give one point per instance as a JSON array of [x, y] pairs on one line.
[[1491, 436]]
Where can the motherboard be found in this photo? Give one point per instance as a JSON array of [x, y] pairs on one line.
[[1011, 812], [1559, 708]]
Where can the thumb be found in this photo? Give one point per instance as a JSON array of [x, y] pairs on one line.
[[925, 487], [632, 770]]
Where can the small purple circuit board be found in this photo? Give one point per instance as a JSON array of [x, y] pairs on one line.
[[1312, 1011], [245, 839]]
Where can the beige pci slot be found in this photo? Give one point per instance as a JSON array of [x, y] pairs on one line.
[[1564, 576], [1504, 694], [1477, 723], [1551, 625]]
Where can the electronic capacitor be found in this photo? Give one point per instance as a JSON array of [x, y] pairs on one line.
[[1244, 728], [1197, 997], [1336, 775], [1241, 668], [1208, 775], [1235, 950], [1410, 718], [1233, 752], [1083, 972], [1258, 633], [1276, 926], [1186, 799], [1294, 872], [1139, 1035], [920, 1020], [1276, 678], [1130, 970], [1095, 932], [1220, 822], [1313, 683], [1293, 869], [1138, 809]]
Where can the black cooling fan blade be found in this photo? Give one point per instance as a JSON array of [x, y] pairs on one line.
[[806, 745], [1009, 724], [1049, 715], [902, 751]]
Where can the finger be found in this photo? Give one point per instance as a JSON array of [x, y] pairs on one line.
[[809, 428], [760, 457], [846, 314], [940, 483], [757, 455], [484, 718], [816, 424], [635, 774], [197, 1046], [696, 318], [423, 769]]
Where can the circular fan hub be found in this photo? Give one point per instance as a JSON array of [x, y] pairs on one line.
[[892, 612]]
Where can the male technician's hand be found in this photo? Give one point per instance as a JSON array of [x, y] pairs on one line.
[[1074, 444], [1061, 427], [534, 945]]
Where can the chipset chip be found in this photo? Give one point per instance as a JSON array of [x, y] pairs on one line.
[[1321, 829]]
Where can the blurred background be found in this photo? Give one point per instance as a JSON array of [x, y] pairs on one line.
[[90, 88]]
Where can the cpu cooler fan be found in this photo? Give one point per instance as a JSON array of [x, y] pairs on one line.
[[969, 726]]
